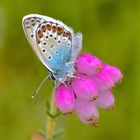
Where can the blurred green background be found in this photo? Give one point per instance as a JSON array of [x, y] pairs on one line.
[[111, 31]]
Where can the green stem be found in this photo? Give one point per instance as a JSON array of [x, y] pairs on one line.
[[51, 120]]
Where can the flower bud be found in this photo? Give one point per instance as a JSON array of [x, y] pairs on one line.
[[65, 99], [84, 88], [105, 100], [87, 112], [88, 64]]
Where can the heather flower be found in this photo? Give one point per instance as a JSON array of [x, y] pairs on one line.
[[106, 100], [88, 64], [85, 88], [65, 99], [103, 81], [92, 89], [114, 72], [87, 112]]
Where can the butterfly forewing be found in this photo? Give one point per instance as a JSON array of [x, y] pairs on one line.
[[50, 39]]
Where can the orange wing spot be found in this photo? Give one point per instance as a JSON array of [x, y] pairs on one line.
[[49, 26], [60, 30], [66, 34], [43, 28], [39, 33], [54, 27]]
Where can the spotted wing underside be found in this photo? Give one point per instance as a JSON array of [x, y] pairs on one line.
[[48, 38]]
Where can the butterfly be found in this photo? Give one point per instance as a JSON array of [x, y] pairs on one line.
[[54, 43]]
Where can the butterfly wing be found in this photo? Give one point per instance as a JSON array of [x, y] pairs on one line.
[[50, 39], [76, 46]]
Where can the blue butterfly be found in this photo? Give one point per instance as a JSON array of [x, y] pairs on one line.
[[54, 43]]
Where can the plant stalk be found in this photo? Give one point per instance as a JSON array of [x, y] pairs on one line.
[[51, 120]]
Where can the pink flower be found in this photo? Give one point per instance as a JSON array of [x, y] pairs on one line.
[[85, 88], [114, 73], [88, 63], [87, 112], [65, 99], [91, 88], [103, 81], [106, 100]]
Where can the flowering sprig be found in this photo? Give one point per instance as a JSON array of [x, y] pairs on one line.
[[89, 89]]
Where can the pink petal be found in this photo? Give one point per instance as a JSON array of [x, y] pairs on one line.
[[114, 72], [106, 100], [84, 88], [65, 99], [87, 112], [103, 81], [88, 64]]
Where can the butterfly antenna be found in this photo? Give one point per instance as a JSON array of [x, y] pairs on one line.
[[38, 89]]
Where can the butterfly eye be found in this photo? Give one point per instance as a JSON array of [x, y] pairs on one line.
[[52, 77], [59, 30], [48, 25]]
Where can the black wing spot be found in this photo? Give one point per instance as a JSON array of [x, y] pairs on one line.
[[43, 50], [49, 57], [32, 35], [44, 43]]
